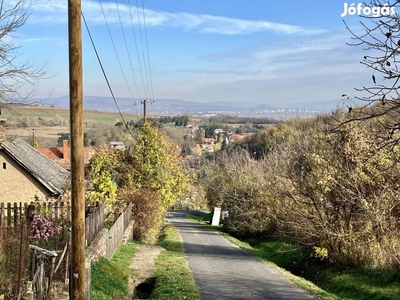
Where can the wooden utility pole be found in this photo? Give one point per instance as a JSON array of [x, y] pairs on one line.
[[78, 275], [144, 102], [33, 138]]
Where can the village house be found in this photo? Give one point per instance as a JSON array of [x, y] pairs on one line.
[[25, 173], [62, 155], [117, 145], [218, 131]]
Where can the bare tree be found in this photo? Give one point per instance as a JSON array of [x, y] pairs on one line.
[[380, 39], [14, 74]]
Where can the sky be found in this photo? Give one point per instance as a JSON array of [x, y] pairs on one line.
[[255, 51]]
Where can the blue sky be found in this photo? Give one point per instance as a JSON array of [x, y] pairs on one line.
[[202, 50]]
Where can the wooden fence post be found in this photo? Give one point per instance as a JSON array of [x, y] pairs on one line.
[[2, 214], [15, 210], [8, 214]]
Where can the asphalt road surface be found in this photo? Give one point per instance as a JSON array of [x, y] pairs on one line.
[[222, 270]]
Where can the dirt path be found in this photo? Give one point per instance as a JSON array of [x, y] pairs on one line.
[[144, 263]]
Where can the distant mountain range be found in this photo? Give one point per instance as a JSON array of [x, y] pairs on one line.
[[183, 106]]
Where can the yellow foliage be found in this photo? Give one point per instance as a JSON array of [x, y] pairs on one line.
[[320, 252], [156, 166]]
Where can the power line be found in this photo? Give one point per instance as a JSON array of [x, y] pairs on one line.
[[147, 77], [115, 50], [148, 53], [141, 42], [105, 76], [127, 50], [136, 46]]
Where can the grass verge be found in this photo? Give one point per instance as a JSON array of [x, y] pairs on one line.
[[319, 278], [110, 278], [173, 277]]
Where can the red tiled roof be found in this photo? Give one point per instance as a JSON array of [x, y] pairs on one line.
[[56, 154], [52, 153]]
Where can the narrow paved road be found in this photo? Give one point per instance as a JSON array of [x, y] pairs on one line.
[[222, 270]]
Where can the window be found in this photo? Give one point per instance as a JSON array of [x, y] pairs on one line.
[[4, 166]]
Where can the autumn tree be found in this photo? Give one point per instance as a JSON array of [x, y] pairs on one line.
[[339, 195], [14, 74], [181, 121], [108, 170], [185, 147], [156, 166], [380, 99], [200, 135], [158, 181], [268, 138], [149, 177], [240, 186]]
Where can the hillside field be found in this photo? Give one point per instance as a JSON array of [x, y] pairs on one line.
[[44, 112], [47, 135]]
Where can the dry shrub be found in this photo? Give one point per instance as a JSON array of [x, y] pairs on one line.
[[148, 213], [240, 186], [251, 217], [338, 195], [199, 200]]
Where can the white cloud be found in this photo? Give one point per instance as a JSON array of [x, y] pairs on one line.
[[325, 59], [38, 40], [274, 58], [55, 11]]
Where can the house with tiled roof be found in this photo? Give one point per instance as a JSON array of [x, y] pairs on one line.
[[62, 155], [25, 173]]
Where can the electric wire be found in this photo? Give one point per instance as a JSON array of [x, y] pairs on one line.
[[148, 53], [115, 50], [127, 49], [141, 42], [147, 85], [105, 76], [136, 46]]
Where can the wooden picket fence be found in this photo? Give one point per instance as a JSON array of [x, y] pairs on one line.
[[94, 222], [44, 275], [12, 214], [116, 232]]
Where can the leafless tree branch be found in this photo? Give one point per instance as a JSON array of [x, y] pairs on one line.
[[13, 74]]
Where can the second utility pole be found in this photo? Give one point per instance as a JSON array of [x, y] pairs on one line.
[[144, 102], [77, 270]]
